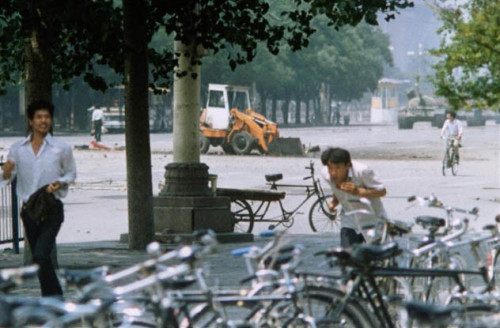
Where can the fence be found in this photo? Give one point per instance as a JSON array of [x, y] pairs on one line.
[[10, 229]]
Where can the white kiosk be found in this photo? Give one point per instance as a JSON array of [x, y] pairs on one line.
[[384, 103]]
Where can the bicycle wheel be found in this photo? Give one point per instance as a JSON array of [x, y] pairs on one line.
[[395, 290], [444, 286], [322, 303], [201, 315], [243, 216], [320, 217], [437, 290], [454, 163], [445, 162]]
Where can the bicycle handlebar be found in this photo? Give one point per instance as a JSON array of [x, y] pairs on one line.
[[446, 240], [432, 201]]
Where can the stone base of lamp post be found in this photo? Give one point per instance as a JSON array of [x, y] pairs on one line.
[[186, 202]]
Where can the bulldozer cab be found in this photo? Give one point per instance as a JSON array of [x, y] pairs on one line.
[[221, 99]]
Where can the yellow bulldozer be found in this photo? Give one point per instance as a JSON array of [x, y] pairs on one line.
[[228, 121]]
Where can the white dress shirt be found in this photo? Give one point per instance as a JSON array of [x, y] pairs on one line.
[[452, 128], [54, 161], [362, 176], [97, 114]]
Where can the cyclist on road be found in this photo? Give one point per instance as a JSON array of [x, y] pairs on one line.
[[350, 179], [452, 129]]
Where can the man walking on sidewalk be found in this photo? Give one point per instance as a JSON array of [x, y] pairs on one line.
[[44, 167]]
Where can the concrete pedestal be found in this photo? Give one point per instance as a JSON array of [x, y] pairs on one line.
[[173, 214]]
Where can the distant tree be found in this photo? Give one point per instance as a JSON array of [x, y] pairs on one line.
[[351, 60], [468, 73]]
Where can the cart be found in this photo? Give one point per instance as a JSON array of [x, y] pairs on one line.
[[241, 208]]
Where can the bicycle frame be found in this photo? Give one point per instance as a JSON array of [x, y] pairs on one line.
[[360, 281], [286, 215], [450, 156]]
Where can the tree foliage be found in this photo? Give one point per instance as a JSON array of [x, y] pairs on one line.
[[468, 73], [88, 34], [82, 35], [350, 59]]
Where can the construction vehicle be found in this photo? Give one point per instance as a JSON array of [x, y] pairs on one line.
[[228, 121]]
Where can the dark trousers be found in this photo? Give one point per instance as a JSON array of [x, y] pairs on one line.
[[41, 238], [349, 237], [98, 130]]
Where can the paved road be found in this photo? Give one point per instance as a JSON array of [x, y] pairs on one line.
[[408, 161]]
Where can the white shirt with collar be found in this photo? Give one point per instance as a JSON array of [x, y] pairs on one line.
[[452, 128], [97, 114], [54, 161], [362, 176]]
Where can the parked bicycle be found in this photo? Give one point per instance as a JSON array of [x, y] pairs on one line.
[[450, 160], [250, 206]]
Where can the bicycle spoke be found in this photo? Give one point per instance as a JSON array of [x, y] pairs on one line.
[[243, 216], [321, 219]]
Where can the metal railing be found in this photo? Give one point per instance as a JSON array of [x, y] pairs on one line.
[[10, 229]]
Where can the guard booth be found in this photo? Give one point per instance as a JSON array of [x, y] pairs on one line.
[[10, 228], [384, 103]]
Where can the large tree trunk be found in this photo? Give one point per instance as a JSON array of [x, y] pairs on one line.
[[38, 82], [38, 67], [138, 149], [187, 106]]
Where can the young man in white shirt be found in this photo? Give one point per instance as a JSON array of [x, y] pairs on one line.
[[351, 180], [40, 160], [452, 129], [97, 117]]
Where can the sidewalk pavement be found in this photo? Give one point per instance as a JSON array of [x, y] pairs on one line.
[[222, 269]]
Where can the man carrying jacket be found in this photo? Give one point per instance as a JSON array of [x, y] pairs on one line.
[[44, 167]]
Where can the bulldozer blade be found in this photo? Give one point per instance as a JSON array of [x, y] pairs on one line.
[[286, 147]]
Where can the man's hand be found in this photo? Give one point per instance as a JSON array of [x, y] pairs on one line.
[[7, 168], [350, 188], [54, 186], [332, 205]]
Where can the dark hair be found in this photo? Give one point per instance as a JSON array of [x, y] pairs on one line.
[[336, 156], [452, 113], [38, 105]]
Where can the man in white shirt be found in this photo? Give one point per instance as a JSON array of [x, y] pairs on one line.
[[452, 129], [42, 165], [97, 116], [350, 181]]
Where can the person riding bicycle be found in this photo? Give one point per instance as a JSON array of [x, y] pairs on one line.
[[452, 129], [350, 179]]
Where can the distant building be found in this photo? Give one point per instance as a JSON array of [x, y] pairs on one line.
[[384, 103]]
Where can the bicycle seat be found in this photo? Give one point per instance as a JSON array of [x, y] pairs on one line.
[[367, 253], [179, 283], [490, 227], [430, 220], [81, 277], [275, 262], [273, 177], [430, 313], [399, 228]]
